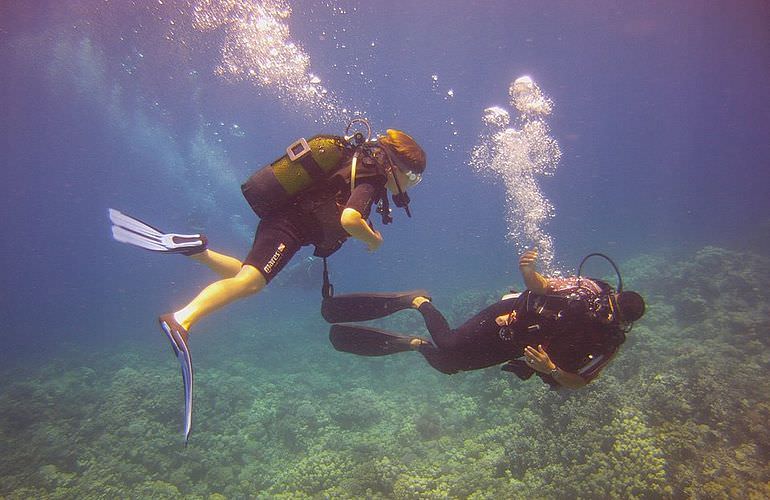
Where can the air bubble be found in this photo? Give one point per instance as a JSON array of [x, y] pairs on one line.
[[517, 156]]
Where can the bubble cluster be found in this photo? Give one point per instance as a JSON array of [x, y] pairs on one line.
[[496, 117], [258, 48], [517, 156], [528, 99]]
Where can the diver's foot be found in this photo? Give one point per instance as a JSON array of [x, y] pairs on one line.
[[405, 300], [417, 342], [419, 300], [201, 244], [176, 333]]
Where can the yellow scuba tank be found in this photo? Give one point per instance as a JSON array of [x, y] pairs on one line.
[[306, 163]]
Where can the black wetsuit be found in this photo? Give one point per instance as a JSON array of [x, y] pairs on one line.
[[579, 345], [476, 344]]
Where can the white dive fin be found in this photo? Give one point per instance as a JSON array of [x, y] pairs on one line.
[[127, 229]]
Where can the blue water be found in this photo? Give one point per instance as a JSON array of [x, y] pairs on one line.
[[661, 110]]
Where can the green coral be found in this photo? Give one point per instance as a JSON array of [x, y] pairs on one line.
[[317, 472], [634, 466], [411, 486]]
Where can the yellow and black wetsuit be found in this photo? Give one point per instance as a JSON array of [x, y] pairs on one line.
[[314, 219]]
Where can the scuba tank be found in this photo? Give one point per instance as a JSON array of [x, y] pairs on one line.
[[310, 163], [560, 309], [306, 163]]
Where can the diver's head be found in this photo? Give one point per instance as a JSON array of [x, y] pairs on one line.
[[406, 158], [631, 306]]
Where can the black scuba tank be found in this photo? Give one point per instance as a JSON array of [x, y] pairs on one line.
[[306, 163]]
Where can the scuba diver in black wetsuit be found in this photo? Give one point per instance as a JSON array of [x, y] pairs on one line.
[[319, 193], [564, 329]]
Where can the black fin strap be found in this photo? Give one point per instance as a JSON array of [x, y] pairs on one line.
[[327, 290]]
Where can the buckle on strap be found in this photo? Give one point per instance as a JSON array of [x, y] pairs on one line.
[[298, 149]]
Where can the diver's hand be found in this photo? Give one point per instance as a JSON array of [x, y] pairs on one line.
[[506, 319], [527, 260], [538, 359], [534, 280], [375, 242]]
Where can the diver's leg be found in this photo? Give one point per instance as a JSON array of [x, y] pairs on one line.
[[247, 282], [435, 322], [223, 265], [449, 349], [176, 326], [275, 243], [436, 357]]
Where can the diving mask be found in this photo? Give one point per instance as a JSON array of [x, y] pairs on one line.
[[412, 178]]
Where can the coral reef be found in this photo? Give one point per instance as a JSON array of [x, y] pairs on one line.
[[681, 413]]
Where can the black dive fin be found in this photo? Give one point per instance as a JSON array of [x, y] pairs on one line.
[[366, 306], [366, 341]]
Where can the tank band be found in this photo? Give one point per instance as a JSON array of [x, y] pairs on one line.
[[312, 167]]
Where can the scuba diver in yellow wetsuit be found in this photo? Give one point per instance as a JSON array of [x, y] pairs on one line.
[[320, 193]]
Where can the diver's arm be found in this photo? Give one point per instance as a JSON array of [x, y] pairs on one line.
[[532, 279], [567, 379], [538, 359], [357, 227]]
